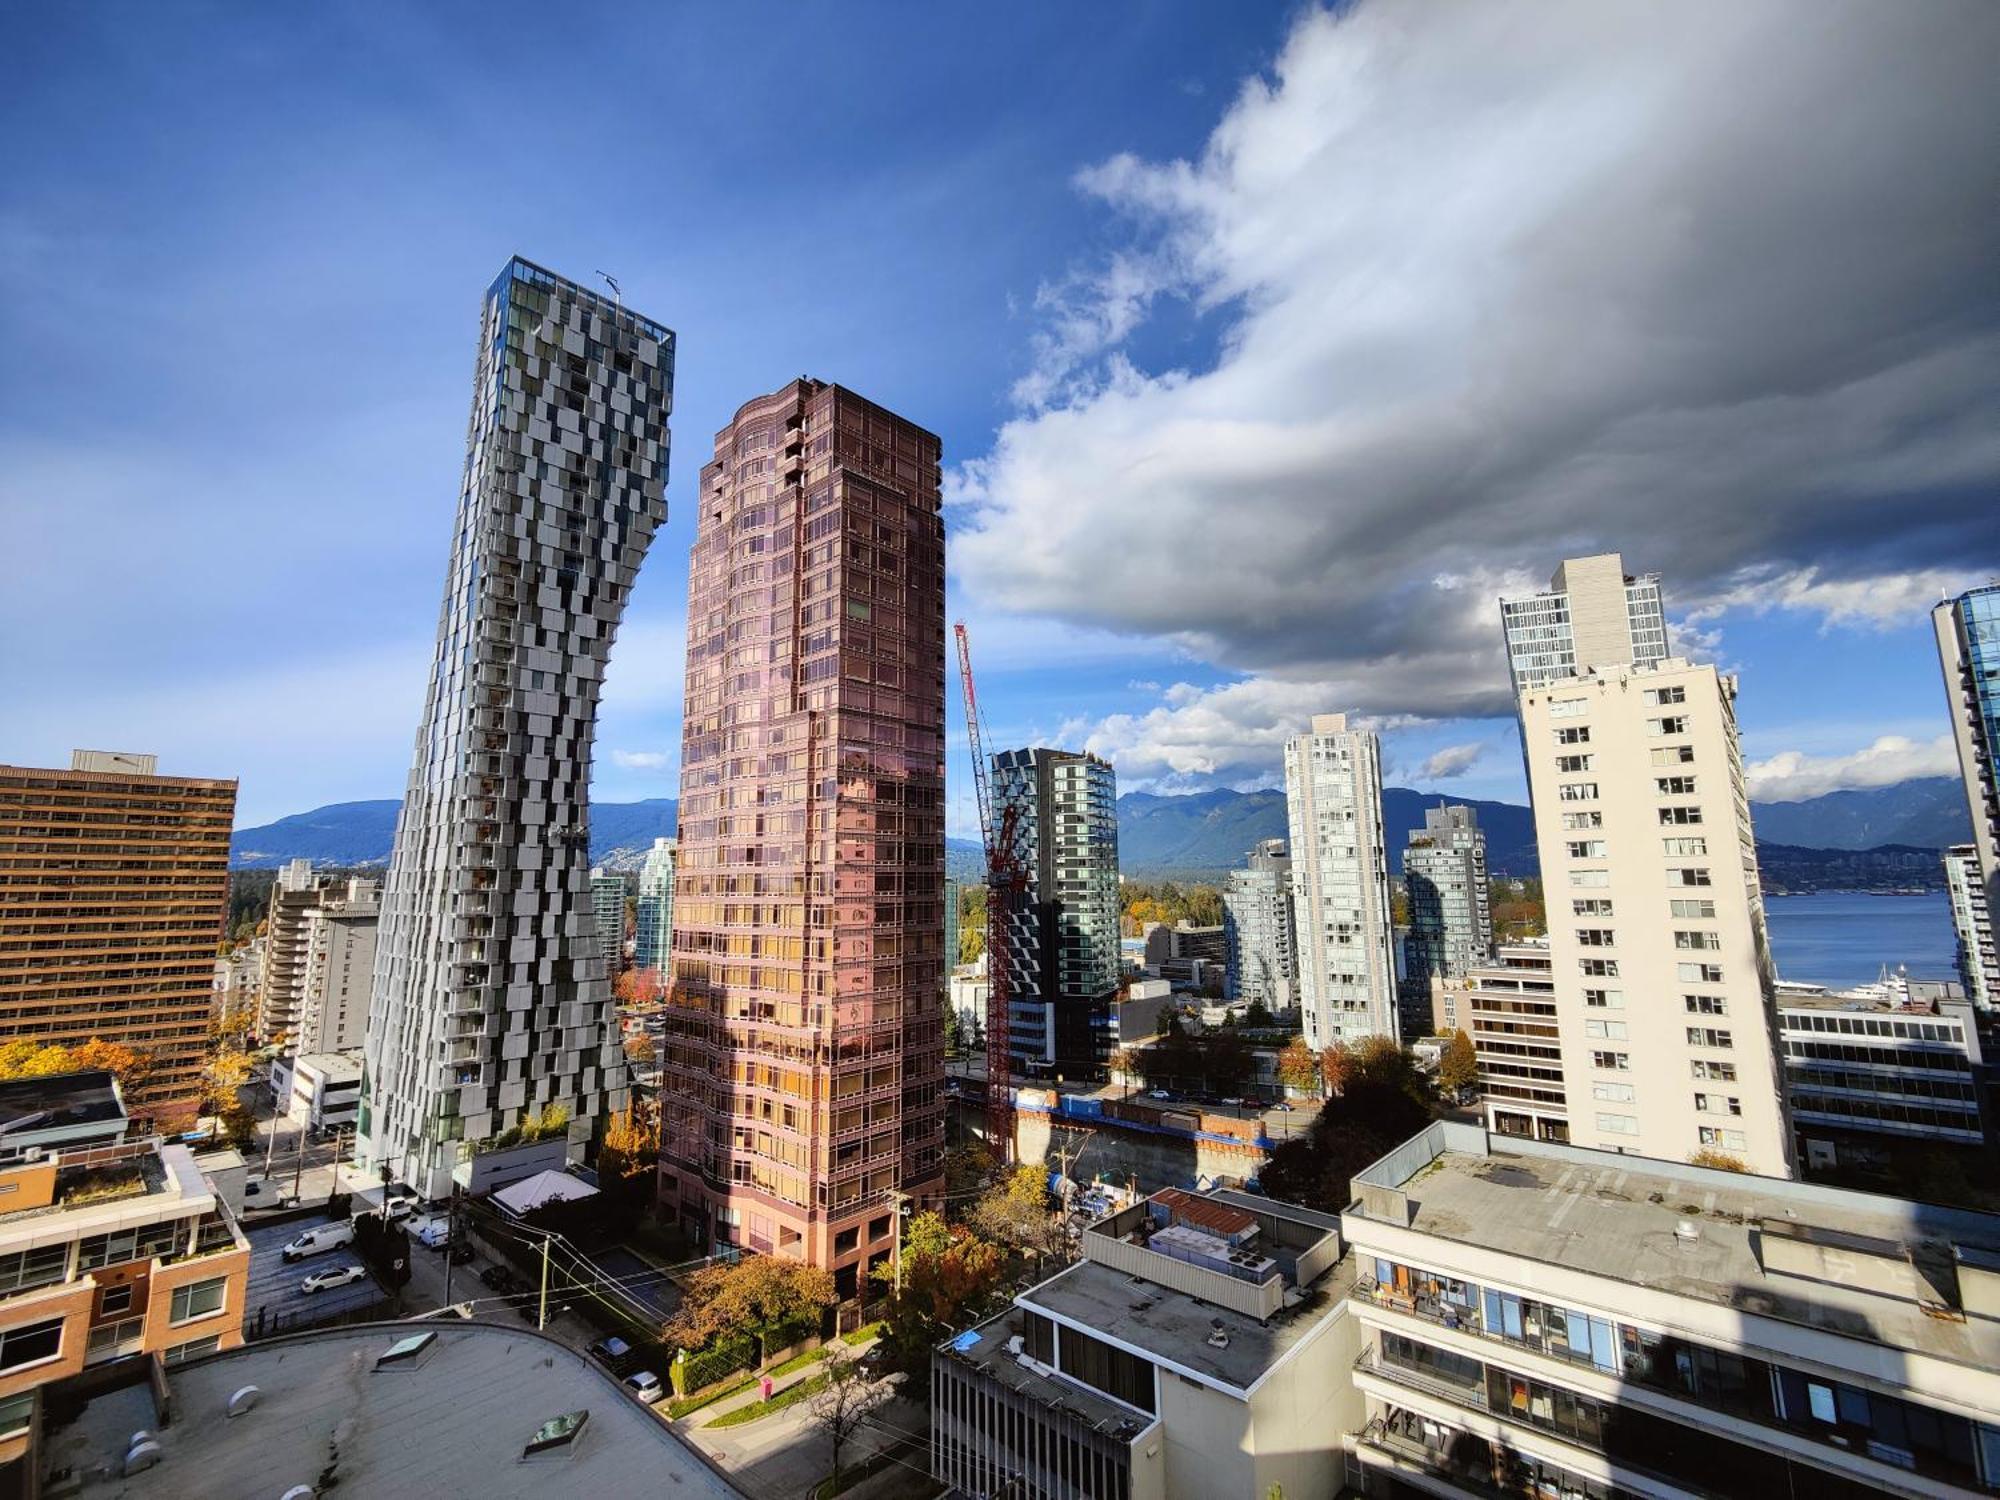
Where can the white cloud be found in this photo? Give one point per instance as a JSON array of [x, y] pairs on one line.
[[641, 760], [1792, 776], [1451, 761], [1498, 283]]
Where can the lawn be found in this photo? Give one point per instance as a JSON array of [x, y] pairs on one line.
[[789, 1397]]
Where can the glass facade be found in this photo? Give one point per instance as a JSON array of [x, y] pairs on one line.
[[803, 1057], [1061, 934], [492, 1005], [1968, 634], [654, 923], [1451, 922], [1257, 923]]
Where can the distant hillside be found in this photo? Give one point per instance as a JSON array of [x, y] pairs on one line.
[[1214, 830], [357, 835], [1201, 835], [1926, 813]]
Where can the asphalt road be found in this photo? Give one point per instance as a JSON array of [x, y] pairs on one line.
[[274, 1293]]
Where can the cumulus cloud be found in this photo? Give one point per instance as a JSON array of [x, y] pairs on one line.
[[1493, 284], [1452, 760], [640, 760], [1791, 776]]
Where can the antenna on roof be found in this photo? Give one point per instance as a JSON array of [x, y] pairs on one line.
[[617, 295]]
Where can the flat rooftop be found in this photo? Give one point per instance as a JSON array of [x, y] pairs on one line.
[[58, 1100], [1176, 1327], [452, 1422], [990, 1356], [1617, 1216]]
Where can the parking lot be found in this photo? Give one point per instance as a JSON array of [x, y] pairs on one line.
[[275, 1304]]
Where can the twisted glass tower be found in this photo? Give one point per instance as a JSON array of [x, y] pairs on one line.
[[492, 1007]]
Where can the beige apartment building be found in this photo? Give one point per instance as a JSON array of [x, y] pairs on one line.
[[338, 970], [1663, 975]]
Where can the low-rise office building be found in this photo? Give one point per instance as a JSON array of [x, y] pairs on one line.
[[321, 1090], [1900, 1058], [1545, 1320], [109, 1247], [1201, 1347]]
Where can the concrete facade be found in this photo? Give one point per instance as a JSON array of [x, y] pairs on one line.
[[1541, 1319], [1593, 614], [337, 974], [1972, 924], [1341, 912], [1662, 968], [1451, 920], [1257, 918], [492, 1004]]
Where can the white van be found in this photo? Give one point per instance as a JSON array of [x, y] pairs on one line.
[[431, 1233], [318, 1239]]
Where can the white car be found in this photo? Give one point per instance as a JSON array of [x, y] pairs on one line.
[[326, 1281], [645, 1385]]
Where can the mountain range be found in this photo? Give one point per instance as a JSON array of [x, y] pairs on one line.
[[1198, 834]]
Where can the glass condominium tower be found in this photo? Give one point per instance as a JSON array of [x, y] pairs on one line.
[[655, 907], [1968, 636], [803, 1058], [492, 1005]]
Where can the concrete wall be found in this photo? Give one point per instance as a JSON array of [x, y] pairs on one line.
[[1155, 1160]]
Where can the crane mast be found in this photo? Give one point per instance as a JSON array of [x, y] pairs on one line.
[[1005, 879]]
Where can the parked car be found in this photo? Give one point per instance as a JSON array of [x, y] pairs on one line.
[[499, 1278], [398, 1209], [1159, 1094], [432, 1234], [645, 1385], [333, 1276], [875, 1362], [612, 1353], [460, 1254], [318, 1239], [400, 1192]]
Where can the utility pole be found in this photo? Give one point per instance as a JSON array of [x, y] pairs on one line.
[[299, 1173], [901, 1201], [542, 1314]]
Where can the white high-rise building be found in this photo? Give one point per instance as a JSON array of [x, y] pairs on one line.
[[1593, 614], [1257, 919], [1340, 883], [339, 969], [492, 1001], [1662, 969]]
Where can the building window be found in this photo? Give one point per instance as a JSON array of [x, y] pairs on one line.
[[1590, 879], [1713, 1072], [1578, 734], [1604, 999], [1683, 848], [32, 1268], [1718, 1104], [1707, 1036], [30, 1344], [1617, 1124], [1728, 1140], [1598, 968], [1572, 762], [1122, 1376], [1705, 1005], [1680, 816], [192, 1349], [116, 1299], [16, 1413], [1616, 1062], [1672, 724], [1614, 1093], [1669, 696], [199, 1299], [1605, 1031], [1675, 786], [1696, 941], [1576, 791], [1699, 909]]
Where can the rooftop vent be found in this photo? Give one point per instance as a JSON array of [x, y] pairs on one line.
[[1218, 1340], [1687, 1231], [244, 1399]]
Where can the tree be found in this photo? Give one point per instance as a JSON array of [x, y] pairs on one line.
[[954, 1033], [1459, 1068], [631, 1143], [842, 1404], [638, 987], [1017, 1211], [222, 1077], [25, 1059], [1383, 1100], [640, 1050], [756, 1294], [948, 1275], [1297, 1067], [1334, 1067], [1257, 1013]]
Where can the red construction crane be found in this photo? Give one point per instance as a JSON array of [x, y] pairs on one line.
[[1006, 880]]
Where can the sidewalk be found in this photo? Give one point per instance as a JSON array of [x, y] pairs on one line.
[[754, 1396]]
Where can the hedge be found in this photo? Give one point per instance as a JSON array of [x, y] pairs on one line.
[[721, 1359]]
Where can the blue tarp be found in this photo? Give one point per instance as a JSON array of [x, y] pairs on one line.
[[966, 1341]]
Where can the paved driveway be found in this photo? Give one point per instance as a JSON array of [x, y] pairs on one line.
[[274, 1295]]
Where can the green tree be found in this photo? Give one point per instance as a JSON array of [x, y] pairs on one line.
[[948, 1277], [1383, 1100], [1297, 1067], [1458, 1070], [1018, 1212]]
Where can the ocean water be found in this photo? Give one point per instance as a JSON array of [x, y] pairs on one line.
[[1842, 938]]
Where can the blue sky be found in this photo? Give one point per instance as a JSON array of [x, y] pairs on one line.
[[1267, 346]]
